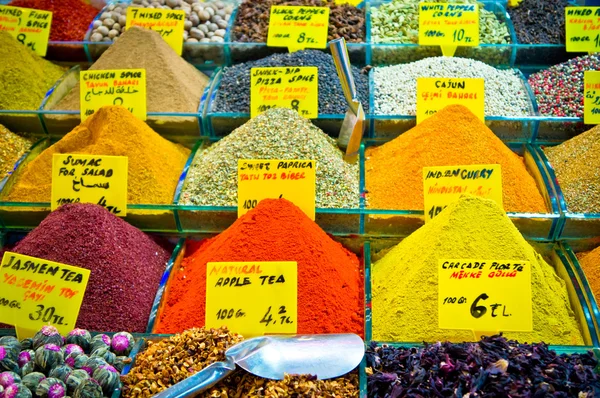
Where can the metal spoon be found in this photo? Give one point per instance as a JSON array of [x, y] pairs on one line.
[[271, 357]]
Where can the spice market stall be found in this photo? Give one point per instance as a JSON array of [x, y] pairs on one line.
[[299, 198]]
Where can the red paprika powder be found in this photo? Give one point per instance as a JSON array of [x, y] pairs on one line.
[[70, 18], [330, 282]]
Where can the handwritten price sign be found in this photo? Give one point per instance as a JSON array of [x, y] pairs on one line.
[[443, 185], [448, 25], [489, 295], [298, 27], [97, 179], [591, 97], [253, 298], [582, 29], [125, 87], [36, 292], [30, 27], [168, 23], [294, 180], [285, 87], [434, 94]]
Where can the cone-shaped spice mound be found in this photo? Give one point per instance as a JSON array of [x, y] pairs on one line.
[[154, 163], [172, 84], [330, 289], [577, 166], [126, 265], [25, 77], [452, 137], [405, 280]]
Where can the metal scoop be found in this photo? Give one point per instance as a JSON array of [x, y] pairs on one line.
[[354, 122], [271, 357]]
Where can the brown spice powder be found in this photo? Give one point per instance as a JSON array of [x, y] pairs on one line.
[[576, 163], [172, 84]]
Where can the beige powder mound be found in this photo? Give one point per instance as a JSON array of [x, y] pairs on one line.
[[172, 84]]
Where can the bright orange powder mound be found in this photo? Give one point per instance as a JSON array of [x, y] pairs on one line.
[[330, 281], [452, 137]]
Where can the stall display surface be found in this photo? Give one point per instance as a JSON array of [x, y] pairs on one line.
[[366, 264]]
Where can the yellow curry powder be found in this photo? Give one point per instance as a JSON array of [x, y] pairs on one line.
[[405, 280], [155, 164], [452, 137]]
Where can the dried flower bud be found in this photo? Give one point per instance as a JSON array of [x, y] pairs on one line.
[[51, 388], [81, 337], [12, 345], [122, 343], [6, 361], [100, 341], [32, 380], [8, 378], [75, 378], [109, 379], [48, 356], [88, 389], [24, 357], [47, 335], [17, 391], [60, 372]]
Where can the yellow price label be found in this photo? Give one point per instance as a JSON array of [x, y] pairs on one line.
[[354, 3], [298, 27], [582, 29], [30, 27], [591, 97], [97, 179], [294, 180], [443, 185], [168, 23], [124, 87], [294, 87], [490, 295], [434, 94], [36, 292], [448, 25], [253, 298]]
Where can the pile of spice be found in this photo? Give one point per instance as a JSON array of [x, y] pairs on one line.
[[167, 362], [492, 367], [590, 262], [252, 20], [126, 265], [25, 77], [453, 136], [559, 89], [172, 84], [70, 18], [205, 22], [405, 280], [278, 133], [12, 147], [396, 86], [249, 386], [154, 164], [53, 366], [233, 94], [539, 22], [576, 164], [330, 287], [398, 22]]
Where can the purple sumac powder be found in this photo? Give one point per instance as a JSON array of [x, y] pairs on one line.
[[126, 265]]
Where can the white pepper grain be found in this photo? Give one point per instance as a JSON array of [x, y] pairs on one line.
[[396, 94]]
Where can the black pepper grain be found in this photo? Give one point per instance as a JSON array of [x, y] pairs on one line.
[[233, 94], [539, 22], [252, 20]]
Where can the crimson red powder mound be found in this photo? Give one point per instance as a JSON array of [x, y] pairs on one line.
[[330, 298], [126, 265]]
